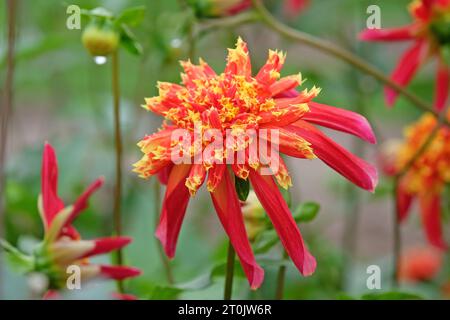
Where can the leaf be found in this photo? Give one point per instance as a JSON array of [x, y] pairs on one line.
[[242, 188], [17, 259], [392, 295], [164, 293], [98, 12], [131, 16], [129, 41], [306, 212], [265, 241]]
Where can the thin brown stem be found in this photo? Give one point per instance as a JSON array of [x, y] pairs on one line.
[[165, 261], [118, 150], [231, 256], [5, 112], [340, 53]]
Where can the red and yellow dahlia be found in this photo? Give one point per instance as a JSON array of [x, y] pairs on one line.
[[237, 101], [62, 245], [430, 33], [427, 177]]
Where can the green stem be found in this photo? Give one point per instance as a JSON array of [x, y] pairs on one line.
[[165, 261], [281, 279], [340, 53], [118, 150], [5, 113], [229, 273]]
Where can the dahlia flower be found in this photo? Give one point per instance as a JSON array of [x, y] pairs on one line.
[[62, 246], [427, 177], [229, 104], [430, 35]]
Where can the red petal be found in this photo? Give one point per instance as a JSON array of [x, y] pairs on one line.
[[430, 206], [393, 34], [238, 60], [163, 174], [442, 85], [174, 208], [229, 211], [403, 202], [353, 168], [81, 202], [105, 245], [52, 204], [278, 211], [118, 272], [341, 120], [406, 68]]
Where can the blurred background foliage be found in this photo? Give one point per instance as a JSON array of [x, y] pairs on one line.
[[63, 97]]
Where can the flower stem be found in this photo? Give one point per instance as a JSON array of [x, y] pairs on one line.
[[340, 53], [5, 113], [118, 150], [280, 279], [229, 273], [165, 261]]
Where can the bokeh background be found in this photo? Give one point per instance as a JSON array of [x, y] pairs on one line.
[[62, 96]]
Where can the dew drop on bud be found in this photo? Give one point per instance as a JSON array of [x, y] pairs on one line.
[[100, 60]]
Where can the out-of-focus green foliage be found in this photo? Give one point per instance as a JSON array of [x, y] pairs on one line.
[[63, 97]]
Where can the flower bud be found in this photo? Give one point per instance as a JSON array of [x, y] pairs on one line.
[[100, 40], [254, 216]]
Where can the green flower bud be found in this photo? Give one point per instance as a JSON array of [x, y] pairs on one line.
[[100, 40]]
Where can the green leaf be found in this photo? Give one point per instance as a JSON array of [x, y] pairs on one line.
[[98, 12], [131, 16], [265, 241], [242, 188], [18, 261], [306, 212], [392, 295], [129, 41]]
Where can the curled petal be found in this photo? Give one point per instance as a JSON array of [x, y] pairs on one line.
[[238, 60], [353, 168], [229, 211], [195, 179], [270, 72], [406, 68], [81, 202], [393, 34], [340, 119], [174, 208], [430, 206], [51, 203], [278, 211]]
